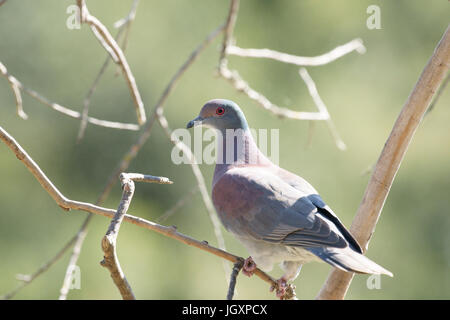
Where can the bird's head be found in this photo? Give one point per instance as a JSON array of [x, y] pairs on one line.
[[220, 114]]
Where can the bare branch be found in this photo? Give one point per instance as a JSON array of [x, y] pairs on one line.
[[122, 24], [15, 86], [68, 204], [229, 27], [110, 259], [27, 279], [126, 23], [64, 110], [236, 268], [109, 241], [239, 84], [78, 239], [136, 147], [116, 53], [321, 107], [338, 52], [390, 159], [200, 182], [179, 204], [242, 86]]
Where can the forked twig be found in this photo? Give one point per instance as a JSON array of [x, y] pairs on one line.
[[109, 241]]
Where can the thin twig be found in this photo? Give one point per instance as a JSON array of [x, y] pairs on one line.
[[321, 107], [78, 240], [27, 279], [64, 110], [127, 22], [234, 273], [135, 148], [229, 27], [15, 86], [179, 204], [242, 86], [200, 182], [388, 163], [122, 24], [116, 53], [338, 52], [68, 204]]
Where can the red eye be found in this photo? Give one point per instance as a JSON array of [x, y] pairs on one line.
[[220, 111]]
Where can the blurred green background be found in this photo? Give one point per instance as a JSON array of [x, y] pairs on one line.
[[364, 94]]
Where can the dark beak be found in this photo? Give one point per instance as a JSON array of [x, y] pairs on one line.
[[197, 121]]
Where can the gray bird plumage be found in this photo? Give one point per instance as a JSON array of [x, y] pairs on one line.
[[277, 215]]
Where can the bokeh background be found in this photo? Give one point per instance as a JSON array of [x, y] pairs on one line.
[[364, 94]]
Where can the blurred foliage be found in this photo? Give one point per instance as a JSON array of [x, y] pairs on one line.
[[364, 94]]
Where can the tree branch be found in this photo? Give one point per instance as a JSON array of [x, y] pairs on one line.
[[229, 27], [142, 139], [240, 85], [68, 204], [122, 24], [390, 159], [109, 241], [338, 52], [116, 53], [136, 147], [200, 182], [57, 107], [321, 107], [236, 268]]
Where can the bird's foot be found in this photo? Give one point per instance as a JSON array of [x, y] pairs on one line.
[[284, 291], [249, 267]]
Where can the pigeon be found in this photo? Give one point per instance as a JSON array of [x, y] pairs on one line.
[[276, 215]]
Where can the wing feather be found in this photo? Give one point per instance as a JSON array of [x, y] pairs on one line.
[[256, 203]]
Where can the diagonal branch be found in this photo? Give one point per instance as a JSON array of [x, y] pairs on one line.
[[122, 24], [242, 86], [142, 139], [200, 182], [229, 27], [390, 159], [321, 107], [68, 204], [57, 107], [116, 53], [179, 204], [136, 147], [15, 86]]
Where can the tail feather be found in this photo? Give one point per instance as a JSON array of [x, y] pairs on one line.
[[349, 260]]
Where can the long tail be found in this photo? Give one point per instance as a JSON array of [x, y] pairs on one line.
[[349, 260]]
